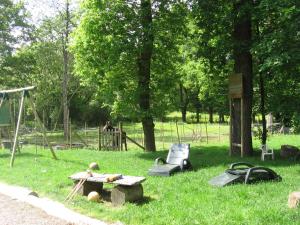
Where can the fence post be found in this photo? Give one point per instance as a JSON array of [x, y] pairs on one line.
[[177, 132], [219, 132], [99, 138], [163, 134], [206, 130], [70, 132], [171, 132], [120, 136]]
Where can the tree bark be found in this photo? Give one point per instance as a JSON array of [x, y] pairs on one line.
[[221, 118], [184, 101], [144, 71], [243, 64], [65, 80], [262, 109], [211, 114], [198, 114], [262, 97]]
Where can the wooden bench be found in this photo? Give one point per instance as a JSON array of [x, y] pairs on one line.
[[126, 189]]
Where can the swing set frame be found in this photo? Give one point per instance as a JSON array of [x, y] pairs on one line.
[[24, 92]]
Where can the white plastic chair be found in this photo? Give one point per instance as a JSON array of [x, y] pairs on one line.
[[266, 151]]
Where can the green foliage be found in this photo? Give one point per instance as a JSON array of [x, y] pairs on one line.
[[13, 26], [276, 50], [13, 32], [106, 47], [296, 122]]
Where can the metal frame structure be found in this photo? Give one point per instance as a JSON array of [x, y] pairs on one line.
[[24, 92]]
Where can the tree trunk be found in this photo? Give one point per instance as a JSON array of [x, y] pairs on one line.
[[197, 105], [262, 98], [184, 101], [253, 117], [65, 80], [262, 109], [144, 71], [243, 64], [221, 118], [211, 114], [198, 114]]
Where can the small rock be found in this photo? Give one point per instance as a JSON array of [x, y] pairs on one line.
[[294, 200], [33, 193], [94, 166], [94, 196]]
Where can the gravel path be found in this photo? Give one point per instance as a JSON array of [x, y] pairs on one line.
[[14, 212]]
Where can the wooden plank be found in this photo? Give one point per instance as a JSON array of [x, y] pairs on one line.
[[101, 178], [17, 90], [99, 138], [133, 141], [242, 128], [235, 85], [130, 180], [230, 127]]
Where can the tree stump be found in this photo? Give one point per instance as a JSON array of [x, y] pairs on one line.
[[294, 200], [289, 151], [121, 194], [88, 187]]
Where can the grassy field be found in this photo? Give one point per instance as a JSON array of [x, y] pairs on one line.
[[185, 198]]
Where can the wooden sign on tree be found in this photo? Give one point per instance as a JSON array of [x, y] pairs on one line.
[[236, 116]]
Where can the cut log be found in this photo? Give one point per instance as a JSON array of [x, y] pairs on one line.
[[121, 194], [289, 151], [88, 187], [294, 200]]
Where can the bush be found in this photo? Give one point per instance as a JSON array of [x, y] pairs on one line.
[[296, 122]]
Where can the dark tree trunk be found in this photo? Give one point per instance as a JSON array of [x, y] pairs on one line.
[[262, 98], [184, 101], [211, 114], [198, 114], [144, 70], [197, 105], [262, 109], [221, 118], [253, 118], [65, 80], [243, 64]]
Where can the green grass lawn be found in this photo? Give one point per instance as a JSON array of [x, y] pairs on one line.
[[185, 198]]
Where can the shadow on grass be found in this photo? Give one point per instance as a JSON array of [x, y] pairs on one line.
[[144, 200], [20, 155], [211, 156], [75, 162]]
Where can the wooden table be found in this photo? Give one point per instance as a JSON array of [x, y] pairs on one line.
[[126, 189]]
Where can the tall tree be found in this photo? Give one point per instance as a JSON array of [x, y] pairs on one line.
[[129, 49], [225, 42], [144, 73], [66, 61], [242, 40], [14, 30]]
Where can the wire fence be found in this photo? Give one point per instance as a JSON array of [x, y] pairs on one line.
[[131, 137], [83, 136]]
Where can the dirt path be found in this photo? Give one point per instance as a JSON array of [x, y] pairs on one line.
[[14, 212]]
